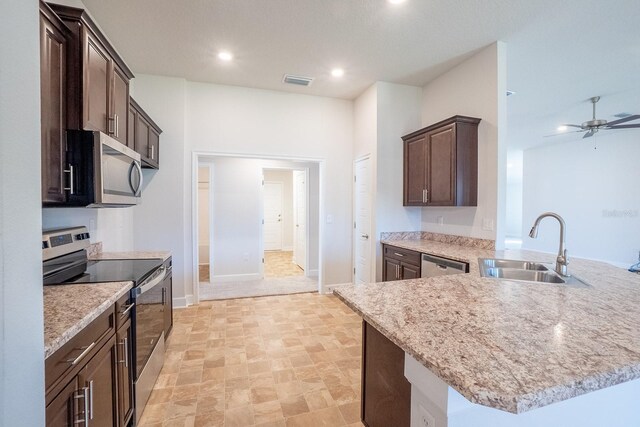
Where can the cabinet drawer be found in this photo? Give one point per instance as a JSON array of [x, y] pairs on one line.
[[404, 255], [72, 356]]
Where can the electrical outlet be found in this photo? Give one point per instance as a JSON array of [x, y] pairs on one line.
[[426, 419], [329, 219]]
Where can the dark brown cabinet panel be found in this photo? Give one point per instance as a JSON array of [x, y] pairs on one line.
[[441, 164], [400, 264], [97, 85], [97, 77], [131, 128], [125, 373], [53, 104], [386, 393], [168, 304], [100, 377], [146, 135], [120, 105], [64, 410], [415, 179]]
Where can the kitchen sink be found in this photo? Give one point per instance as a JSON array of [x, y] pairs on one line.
[[527, 275], [509, 263], [525, 271]]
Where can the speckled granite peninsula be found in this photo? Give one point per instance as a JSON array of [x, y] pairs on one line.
[[514, 346], [70, 308]]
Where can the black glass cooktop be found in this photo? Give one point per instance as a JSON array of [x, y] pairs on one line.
[[118, 270], [75, 268]]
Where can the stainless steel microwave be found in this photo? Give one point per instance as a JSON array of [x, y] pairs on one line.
[[101, 172]]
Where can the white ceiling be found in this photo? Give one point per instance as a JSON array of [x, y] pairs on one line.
[[559, 52]]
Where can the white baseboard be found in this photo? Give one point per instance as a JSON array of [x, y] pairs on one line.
[[235, 278], [183, 302], [287, 249]]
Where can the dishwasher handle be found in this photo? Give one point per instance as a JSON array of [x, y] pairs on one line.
[[444, 263]]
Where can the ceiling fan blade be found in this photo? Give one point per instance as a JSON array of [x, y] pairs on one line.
[[624, 126], [623, 120], [563, 133], [589, 134], [571, 126]]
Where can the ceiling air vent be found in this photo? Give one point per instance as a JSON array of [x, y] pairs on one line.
[[297, 80]]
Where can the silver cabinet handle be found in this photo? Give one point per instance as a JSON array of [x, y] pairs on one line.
[[111, 125], [398, 254], [127, 309], [85, 351], [70, 172], [397, 271], [426, 195], [90, 400], [365, 236], [85, 396], [117, 124], [152, 152], [125, 350]]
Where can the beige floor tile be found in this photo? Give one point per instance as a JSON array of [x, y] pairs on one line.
[[294, 405], [268, 361], [328, 417], [239, 417]]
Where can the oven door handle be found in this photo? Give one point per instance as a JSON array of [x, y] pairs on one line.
[[151, 283]]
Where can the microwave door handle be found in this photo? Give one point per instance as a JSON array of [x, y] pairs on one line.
[[140, 179], [135, 166]]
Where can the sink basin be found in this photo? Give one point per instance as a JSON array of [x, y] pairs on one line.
[[508, 263], [527, 275], [525, 271]]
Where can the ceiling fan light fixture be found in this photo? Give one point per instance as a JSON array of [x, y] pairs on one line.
[[562, 128]]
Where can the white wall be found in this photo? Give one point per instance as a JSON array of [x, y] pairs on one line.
[[160, 220], [211, 118], [286, 178], [237, 214], [111, 226], [594, 190], [21, 309], [398, 115], [513, 218], [203, 215], [477, 88]]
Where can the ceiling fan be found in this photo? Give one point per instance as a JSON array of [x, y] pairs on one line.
[[594, 125]]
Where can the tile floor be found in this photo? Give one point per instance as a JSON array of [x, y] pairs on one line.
[[279, 361], [254, 288], [280, 264]]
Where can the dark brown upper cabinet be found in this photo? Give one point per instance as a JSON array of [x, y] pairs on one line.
[[54, 40], [97, 78], [145, 134], [441, 164]]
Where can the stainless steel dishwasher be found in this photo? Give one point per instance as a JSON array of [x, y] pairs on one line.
[[435, 266]]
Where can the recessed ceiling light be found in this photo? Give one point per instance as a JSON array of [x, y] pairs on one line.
[[225, 56], [396, 1], [337, 72], [562, 128]]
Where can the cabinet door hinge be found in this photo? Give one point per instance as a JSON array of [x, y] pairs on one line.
[[354, 224], [354, 271]]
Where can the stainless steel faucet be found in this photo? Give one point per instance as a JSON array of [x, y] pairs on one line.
[[561, 261]]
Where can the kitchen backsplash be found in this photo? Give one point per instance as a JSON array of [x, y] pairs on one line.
[[437, 237]]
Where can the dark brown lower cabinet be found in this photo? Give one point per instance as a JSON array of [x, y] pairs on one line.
[[100, 377], [61, 410], [386, 393], [125, 373], [400, 263]]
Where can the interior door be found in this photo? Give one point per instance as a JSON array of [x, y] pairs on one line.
[[300, 218], [272, 216], [362, 217]]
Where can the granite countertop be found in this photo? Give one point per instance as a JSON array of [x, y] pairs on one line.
[[70, 308], [163, 255], [514, 346]]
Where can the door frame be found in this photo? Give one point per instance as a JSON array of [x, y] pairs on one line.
[[210, 166], [373, 238], [306, 225], [202, 156]]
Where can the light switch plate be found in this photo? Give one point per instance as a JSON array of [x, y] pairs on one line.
[[329, 219]]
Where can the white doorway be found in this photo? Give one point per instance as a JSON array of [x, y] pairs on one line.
[[300, 218], [273, 216], [362, 233]]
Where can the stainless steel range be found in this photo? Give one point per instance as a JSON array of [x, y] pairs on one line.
[[65, 262]]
